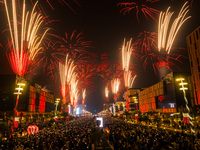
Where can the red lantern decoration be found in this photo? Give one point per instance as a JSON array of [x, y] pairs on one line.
[[124, 116], [118, 115], [32, 129], [67, 117]]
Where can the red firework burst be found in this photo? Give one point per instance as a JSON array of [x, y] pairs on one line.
[[50, 57], [140, 7], [109, 71], [146, 43], [74, 44], [86, 72]]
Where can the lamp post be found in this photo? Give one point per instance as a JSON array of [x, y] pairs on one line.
[[56, 103], [19, 89], [183, 88]]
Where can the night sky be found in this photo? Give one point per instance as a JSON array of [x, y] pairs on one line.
[[103, 24]]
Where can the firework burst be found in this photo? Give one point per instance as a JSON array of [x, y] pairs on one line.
[[140, 7], [87, 70], [146, 44], [163, 25], [23, 51], [74, 44], [115, 83], [74, 92], [66, 73], [128, 79], [126, 56]]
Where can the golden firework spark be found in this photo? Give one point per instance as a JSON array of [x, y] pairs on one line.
[[163, 26], [106, 91], [66, 73], [25, 48], [128, 79], [115, 85]]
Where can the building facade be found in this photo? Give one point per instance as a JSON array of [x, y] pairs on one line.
[[165, 96], [193, 46], [32, 100]]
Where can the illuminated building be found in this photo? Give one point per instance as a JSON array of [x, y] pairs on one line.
[[193, 46], [165, 96], [33, 100], [128, 96]]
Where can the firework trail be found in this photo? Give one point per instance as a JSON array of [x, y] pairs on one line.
[[83, 95], [106, 92], [66, 73], [140, 7], [115, 85], [74, 92], [128, 79], [126, 56], [23, 50], [165, 42], [146, 43]]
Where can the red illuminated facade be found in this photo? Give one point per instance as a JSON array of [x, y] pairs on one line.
[[33, 99], [193, 46]]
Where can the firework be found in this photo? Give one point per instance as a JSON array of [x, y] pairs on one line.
[[83, 95], [74, 92], [74, 44], [165, 42], [126, 54], [140, 8], [106, 92], [87, 70], [115, 85], [66, 73], [23, 50], [128, 79], [146, 44]]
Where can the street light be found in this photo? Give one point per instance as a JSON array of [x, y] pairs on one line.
[[19, 89], [183, 88], [56, 103]]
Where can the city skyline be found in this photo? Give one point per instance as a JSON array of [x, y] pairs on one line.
[[106, 27]]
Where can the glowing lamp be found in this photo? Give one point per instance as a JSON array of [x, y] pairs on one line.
[[183, 83], [180, 79], [32, 129], [184, 88]]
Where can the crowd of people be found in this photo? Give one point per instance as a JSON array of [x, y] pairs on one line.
[[127, 136], [117, 134]]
